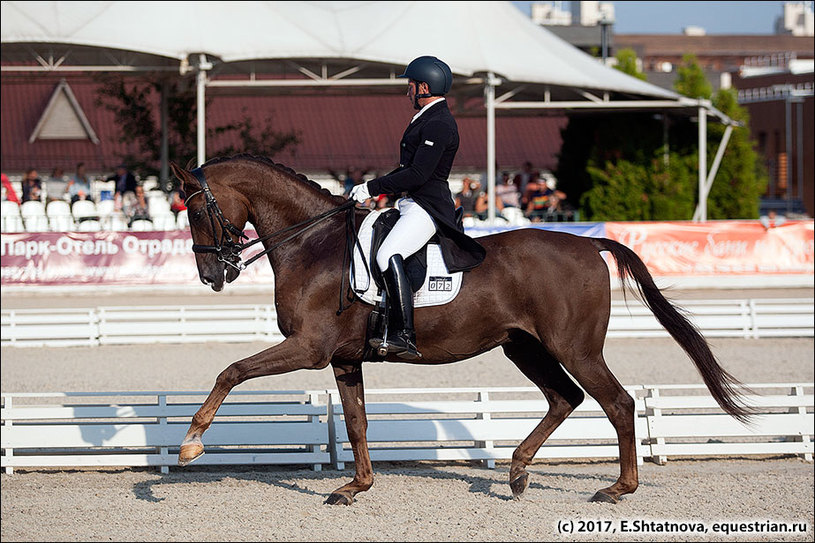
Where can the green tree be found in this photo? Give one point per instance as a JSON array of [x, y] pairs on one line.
[[741, 178], [627, 63], [135, 105], [691, 80]]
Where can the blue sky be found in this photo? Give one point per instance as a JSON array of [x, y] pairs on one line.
[[742, 17]]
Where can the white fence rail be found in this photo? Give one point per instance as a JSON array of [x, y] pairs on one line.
[[751, 318], [307, 427]]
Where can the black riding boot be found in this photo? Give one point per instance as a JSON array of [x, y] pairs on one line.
[[402, 340]]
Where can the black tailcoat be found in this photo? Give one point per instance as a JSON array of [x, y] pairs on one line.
[[427, 150]]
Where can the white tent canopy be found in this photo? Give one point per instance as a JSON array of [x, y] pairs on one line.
[[472, 37], [491, 43]]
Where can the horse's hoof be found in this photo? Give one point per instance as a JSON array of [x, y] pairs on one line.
[[602, 497], [190, 453], [519, 485], [338, 499]]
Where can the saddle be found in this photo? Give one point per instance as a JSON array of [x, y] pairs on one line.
[[429, 279]]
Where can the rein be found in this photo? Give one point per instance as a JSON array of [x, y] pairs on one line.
[[229, 252]]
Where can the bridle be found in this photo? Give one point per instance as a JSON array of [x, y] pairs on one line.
[[228, 251]]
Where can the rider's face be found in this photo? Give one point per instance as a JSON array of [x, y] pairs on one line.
[[411, 90]]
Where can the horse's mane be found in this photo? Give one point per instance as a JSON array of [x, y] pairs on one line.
[[281, 168]]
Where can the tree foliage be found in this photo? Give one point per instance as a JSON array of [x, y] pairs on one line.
[[627, 63], [613, 166], [691, 80], [135, 105]]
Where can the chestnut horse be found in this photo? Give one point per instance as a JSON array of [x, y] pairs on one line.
[[544, 297]]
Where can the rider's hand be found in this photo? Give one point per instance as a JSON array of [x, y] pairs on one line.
[[360, 193]]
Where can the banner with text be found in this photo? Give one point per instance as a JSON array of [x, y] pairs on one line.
[[145, 258], [107, 258], [718, 247]]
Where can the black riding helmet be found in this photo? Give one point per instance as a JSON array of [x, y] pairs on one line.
[[436, 73]]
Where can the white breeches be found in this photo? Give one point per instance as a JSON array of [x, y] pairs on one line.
[[410, 233]]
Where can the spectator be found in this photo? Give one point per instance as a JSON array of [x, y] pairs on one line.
[[177, 205], [125, 180], [134, 205], [10, 194], [772, 219], [79, 187], [537, 198], [466, 199], [31, 181], [507, 191], [525, 176], [56, 187]]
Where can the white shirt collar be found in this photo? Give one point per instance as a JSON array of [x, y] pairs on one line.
[[428, 106]]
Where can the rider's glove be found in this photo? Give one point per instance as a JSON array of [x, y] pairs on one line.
[[360, 193]]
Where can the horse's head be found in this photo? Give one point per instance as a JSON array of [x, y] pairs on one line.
[[217, 214]]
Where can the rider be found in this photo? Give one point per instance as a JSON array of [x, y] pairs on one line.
[[427, 150]]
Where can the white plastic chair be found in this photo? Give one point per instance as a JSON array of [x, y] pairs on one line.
[[515, 216], [182, 221], [12, 221], [105, 209], [34, 217], [59, 216], [89, 225], [142, 225], [117, 222], [163, 221], [157, 204], [84, 211]]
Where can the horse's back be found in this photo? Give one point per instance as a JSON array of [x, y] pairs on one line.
[[533, 249]]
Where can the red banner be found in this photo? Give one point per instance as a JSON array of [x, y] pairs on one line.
[[144, 258], [718, 247], [109, 258]]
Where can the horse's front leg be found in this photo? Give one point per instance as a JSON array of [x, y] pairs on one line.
[[352, 394], [292, 354]]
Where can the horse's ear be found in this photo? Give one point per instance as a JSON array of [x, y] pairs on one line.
[[188, 182]]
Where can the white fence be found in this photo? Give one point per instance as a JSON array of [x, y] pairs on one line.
[[753, 318], [307, 427]]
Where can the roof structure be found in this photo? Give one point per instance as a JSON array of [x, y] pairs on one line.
[[472, 37], [489, 45]]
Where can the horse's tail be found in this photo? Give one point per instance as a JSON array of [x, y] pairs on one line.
[[723, 386]]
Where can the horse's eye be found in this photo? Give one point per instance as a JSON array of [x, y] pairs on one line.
[[197, 215]]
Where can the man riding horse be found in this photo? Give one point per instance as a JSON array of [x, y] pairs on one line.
[[427, 151]]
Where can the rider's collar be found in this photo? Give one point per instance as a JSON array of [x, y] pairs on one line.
[[426, 107]]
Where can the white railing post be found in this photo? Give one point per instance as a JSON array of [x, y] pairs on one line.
[[314, 399], [801, 410], [653, 417], [162, 421], [487, 446], [754, 319], [9, 405], [334, 446]]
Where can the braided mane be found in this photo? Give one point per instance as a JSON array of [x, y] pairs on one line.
[[279, 167]]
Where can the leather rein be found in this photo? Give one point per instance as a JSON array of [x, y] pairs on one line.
[[228, 251]]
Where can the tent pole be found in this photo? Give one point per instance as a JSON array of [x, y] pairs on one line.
[[490, 96], [702, 206], [164, 174], [201, 79]]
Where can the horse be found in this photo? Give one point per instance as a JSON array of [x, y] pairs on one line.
[[548, 294]]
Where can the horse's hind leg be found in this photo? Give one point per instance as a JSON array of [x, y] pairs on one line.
[[595, 377], [561, 393]]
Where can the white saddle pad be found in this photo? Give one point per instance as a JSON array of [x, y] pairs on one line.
[[440, 286]]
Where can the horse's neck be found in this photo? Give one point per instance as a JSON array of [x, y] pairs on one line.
[[282, 209]]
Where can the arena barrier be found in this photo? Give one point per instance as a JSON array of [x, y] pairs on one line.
[[752, 318], [102, 429]]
